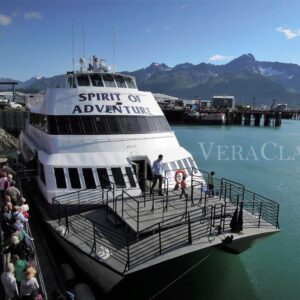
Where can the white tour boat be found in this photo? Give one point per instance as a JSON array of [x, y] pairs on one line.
[[92, 145]]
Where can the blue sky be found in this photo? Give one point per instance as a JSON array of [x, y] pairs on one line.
[[35, 36]]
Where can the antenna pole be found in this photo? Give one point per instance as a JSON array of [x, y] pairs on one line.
[[83, 38], [114, 49], [73, 60]]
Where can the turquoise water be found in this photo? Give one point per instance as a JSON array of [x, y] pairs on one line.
[[269, 164]]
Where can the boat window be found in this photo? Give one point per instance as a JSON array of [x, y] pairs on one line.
[[42, 173], [74, 178], [113, 125], [96, 80], [71, 82], [162, 123], [88, 125], [143, 125], [103, 178], [101, 125], [120, 81], [130, 176], [63, 125], [173, 166], [151, 124], [60, 178], [89, 178], [109, 80], [118, 177], [83, 80], [128, 125], [187, 166], [180, 164], [130, 83], [75, 125], [192, 163]]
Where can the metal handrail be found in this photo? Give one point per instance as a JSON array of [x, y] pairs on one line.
[[32, 246]]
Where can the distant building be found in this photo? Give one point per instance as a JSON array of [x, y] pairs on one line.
[[282, 107], [162, 97], [206, 103], [168, 102], [222, 102], [198, 104]]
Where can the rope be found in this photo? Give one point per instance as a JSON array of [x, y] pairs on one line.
[[180, 276]]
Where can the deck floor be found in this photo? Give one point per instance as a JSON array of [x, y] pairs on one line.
[[97, 225], [150, 212]]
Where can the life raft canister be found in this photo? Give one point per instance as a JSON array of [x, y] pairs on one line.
[[183, 175]]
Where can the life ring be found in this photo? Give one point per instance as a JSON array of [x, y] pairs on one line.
[[176, 176]]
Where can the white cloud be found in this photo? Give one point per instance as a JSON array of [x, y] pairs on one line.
[[5, 20], [219, 57], [33, 15], [289, 33]]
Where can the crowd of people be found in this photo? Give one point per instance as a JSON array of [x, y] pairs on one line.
[[18, 279]]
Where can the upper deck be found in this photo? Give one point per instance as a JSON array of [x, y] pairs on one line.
[[95, 91]]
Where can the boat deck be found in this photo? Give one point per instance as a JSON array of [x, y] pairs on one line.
[[145, 215], [124, 237]]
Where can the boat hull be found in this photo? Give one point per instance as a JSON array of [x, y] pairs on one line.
[[103, 276]]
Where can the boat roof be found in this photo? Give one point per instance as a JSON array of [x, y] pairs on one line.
[[72, 73]]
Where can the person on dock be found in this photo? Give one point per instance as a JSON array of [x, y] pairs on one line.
[[20, 267], [3, 179], [29, 286], [14, 193], [9, 282], [9, 182], [157, 170], [211, 184]]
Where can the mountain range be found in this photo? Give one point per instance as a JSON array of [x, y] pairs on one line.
[[244, 77]]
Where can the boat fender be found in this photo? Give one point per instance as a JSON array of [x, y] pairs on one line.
[[103, 253], [67, 273], [176, 177], [83, 292]]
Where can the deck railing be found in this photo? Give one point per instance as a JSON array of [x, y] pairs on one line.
[[204, 221]]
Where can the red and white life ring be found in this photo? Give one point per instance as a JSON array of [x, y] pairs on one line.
[[177, 177]]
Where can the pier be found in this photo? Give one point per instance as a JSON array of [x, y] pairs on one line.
[[246, 118]]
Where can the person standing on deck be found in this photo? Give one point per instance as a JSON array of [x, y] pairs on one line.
[[211, 184], [157, 170]]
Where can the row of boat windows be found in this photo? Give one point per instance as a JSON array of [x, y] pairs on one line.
[[101, 80], [185, 164], [103, 176], [99, 124], [89, 179]]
